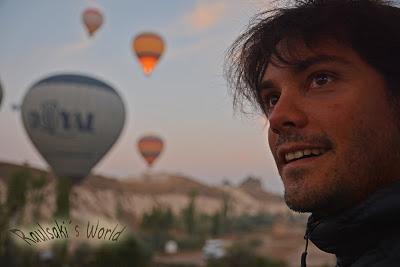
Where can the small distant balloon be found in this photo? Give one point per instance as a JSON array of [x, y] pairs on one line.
[[92, 19], [150, 147], [148, 48], [72, 120]]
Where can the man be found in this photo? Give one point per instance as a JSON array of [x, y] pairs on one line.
[[326, 75]]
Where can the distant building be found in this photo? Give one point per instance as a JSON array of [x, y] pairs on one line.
[[171, 247]]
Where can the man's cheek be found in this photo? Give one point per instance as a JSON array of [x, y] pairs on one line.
[[271, 140]]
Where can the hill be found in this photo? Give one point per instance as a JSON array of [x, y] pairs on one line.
[[105, 197]]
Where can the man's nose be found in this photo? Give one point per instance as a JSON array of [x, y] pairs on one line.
[[288, 114]]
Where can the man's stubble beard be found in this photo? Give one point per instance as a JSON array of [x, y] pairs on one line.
[[352, 177], [305, 199]]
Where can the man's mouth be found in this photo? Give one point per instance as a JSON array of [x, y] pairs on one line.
[[303, 153]]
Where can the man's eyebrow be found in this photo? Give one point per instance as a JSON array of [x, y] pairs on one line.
[[303, 65], [266, 84]]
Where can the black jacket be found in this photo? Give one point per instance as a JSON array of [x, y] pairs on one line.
[[366, 235]]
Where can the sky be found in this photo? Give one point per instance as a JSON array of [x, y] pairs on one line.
[[185, 100]]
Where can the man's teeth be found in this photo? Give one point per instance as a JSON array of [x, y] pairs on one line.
[[301, 153]]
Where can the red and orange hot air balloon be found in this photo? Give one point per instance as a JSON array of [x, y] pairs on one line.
[[92, 19], [148, 48], [150, 147]]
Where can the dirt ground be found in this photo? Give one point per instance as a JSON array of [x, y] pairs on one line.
[[284, 242]]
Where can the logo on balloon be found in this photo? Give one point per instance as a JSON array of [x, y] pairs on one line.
[[56, 120]]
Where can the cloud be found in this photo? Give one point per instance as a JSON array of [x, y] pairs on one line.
[[205, 15], [76, 47], [184, 51], [200, 26]]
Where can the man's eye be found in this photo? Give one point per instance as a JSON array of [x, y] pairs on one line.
[[320, 79], [270, 101]]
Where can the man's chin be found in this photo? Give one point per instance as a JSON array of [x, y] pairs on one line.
[[310, 199], [300, 195], [298, 203]]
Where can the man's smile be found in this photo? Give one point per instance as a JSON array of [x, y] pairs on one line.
[[296, 155]]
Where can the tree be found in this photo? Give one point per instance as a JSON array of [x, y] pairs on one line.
[[17, 191], [37, 184], [189, 214], [62, 201], [215, 224], [14, 206], [157, 223], [220, 222], [158, 219], [225, 209], [129, 253]]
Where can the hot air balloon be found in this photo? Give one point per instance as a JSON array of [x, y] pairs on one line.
[[150, 147], [92, 19], [148, 48], [72, 120]]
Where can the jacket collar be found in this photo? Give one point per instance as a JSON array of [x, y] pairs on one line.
[[351, 233]]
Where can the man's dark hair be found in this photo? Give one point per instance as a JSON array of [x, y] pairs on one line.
[[369, 27]]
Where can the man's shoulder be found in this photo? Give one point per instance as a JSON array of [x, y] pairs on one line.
[[385, 254]]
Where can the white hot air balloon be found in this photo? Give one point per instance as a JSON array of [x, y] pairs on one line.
[[73, 121]]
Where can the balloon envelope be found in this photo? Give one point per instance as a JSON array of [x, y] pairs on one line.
[[92, 19], [150, 147], [148, 48], [73, 121]]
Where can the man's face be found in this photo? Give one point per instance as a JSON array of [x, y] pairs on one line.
[[332, 131]]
